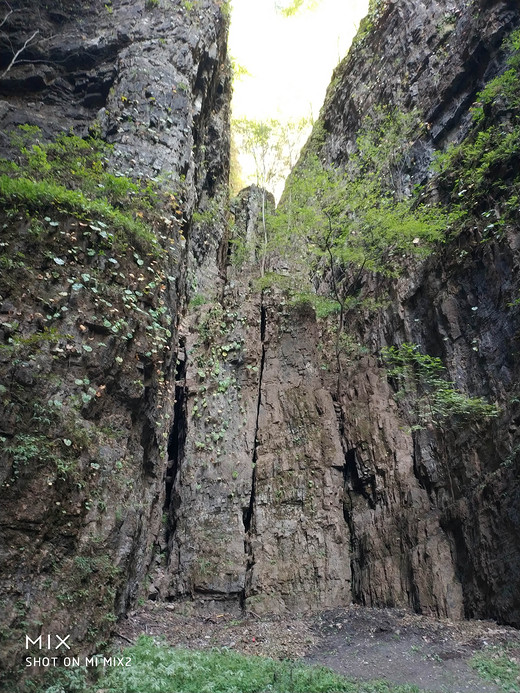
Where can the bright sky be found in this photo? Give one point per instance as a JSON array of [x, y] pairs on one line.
[[290, 58]]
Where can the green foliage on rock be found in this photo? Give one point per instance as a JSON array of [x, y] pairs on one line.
[[480, 176], [367, 24], [430, 399], [71, 175], [340, 220]]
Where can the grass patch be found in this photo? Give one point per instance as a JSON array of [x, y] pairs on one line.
[[74, 176], [498, 665], [157, 668], [40, 195]]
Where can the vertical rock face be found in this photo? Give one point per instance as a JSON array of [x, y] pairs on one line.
[[150, 77], [433, 516], [215, 447], [316, 492], [432, 56], [299, 541], [256, 513], [89, 319]]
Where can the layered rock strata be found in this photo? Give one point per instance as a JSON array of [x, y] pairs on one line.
[[89, 324]]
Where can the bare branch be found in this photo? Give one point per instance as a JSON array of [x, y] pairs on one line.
[[20, 50], [4, 20]]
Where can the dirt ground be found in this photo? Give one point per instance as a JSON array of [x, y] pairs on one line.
[[361, 643]]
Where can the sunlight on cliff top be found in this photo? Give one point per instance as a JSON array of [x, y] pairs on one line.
[[289, 59]]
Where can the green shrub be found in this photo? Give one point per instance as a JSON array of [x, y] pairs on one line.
[[198, 300], [32, 195], [430, 398], [322, 305]]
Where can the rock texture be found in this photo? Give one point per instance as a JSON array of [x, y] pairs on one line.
[[298, 537], [89, 339], [434, 56], [258, 459], [211, 447], [344, 501], [433, 516]]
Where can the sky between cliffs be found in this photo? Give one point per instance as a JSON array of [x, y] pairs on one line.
[[290, 59]]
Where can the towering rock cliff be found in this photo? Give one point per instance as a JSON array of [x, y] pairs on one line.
[[260, 464], [174, 427], [90, 301], [434, 515], [311, 492]]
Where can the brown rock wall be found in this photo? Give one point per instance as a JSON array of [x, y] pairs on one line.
[[299, 538]]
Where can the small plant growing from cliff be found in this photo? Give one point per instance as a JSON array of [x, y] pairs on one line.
[[480, 175], [71, 174], [225, 8], [368, 23], [151, 4], [430, 399]]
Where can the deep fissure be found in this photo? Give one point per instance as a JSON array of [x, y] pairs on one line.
[[349, 455], [176, 443], [248, 512]]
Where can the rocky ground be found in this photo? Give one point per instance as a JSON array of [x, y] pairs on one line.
[[361, 643]]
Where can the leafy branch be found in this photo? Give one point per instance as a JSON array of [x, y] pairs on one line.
[[420, 382]]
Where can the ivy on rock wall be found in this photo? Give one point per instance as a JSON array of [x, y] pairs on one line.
[[88, 271]]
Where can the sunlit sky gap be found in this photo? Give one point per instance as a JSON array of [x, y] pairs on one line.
[[290, 59]]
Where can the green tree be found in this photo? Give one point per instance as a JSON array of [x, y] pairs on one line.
[[272, 146], [334, 224], [361, 215]]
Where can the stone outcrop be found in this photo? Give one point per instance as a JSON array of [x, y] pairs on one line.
[[408, 54], [258, 459], [89, 338]]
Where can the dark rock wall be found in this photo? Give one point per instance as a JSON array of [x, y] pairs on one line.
[[255, 508], [212, 448], [433, 516], [433, 56], [153, 80]]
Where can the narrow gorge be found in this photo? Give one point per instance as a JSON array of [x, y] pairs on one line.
[[177, 423]]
